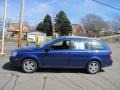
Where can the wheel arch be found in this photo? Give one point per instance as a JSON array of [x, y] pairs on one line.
[[29, 57], [99, 61]]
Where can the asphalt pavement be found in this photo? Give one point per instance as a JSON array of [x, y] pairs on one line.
[[61, 79]]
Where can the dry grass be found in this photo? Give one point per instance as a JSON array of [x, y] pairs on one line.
[[112, 40]]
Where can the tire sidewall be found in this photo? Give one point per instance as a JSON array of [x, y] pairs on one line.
[[34, 64], [93, 62]]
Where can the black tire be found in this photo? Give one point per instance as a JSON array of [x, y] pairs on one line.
[[31, 67], [93, 67]]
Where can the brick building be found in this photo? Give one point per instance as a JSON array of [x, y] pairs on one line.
[[77, 30], [13, 29]]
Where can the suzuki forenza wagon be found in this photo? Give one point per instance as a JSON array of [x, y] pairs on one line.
[[64, 52]]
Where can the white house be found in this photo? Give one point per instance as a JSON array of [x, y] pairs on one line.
[[32, 36]]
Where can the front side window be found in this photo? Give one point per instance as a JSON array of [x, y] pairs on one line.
[[61, 45], [96, 46], [70, 45]]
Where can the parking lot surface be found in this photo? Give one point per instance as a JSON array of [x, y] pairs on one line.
[[61, 79]]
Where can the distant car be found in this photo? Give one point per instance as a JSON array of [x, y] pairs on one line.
[[64, 52]]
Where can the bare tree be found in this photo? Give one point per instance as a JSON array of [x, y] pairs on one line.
[[94, 24], [115, 24]]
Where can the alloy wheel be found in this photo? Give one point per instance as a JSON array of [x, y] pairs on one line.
[[93, 67], [29, 66]]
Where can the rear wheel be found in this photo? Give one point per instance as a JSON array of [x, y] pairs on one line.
[[93, 67], [29, 65]]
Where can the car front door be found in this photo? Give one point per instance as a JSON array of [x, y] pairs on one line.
[[56, 55]]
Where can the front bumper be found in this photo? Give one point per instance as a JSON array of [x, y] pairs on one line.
[[15, 61]]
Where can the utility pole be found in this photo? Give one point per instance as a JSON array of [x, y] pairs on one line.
[[4, 23], [21, 24], [53, 23]]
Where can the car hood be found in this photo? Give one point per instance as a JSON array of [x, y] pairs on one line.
[[28, 49]]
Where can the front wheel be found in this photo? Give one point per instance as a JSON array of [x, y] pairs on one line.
[[93, 67], [29, 66]]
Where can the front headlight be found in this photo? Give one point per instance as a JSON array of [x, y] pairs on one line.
[[14, 53]]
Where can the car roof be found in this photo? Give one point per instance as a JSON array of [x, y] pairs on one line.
[[77, 37]]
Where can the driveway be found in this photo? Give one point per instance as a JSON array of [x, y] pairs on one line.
[[61, 79]]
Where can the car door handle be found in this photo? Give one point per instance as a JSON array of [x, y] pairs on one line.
[[67, 52], [88, 52]]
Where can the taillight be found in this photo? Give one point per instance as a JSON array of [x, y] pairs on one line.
[[111, 55]]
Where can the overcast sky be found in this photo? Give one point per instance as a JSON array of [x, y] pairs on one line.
[[35, 10]]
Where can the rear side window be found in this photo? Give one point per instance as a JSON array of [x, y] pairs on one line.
[[78, 45], [96, 45]]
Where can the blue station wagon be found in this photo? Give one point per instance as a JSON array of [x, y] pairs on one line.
[[64, 52]]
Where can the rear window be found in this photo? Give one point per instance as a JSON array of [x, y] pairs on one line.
[[96, 45]]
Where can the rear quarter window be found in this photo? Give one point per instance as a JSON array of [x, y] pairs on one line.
[[95, 45]]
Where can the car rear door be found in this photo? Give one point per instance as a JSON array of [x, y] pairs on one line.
[[79, 53]]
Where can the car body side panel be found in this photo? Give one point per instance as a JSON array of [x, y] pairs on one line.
[[27, 55], [54, 58], [64, 58], [78, 58]]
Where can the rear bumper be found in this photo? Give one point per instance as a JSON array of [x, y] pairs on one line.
[[107, 63]]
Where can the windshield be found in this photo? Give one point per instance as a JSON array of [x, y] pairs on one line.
[[44, 43]]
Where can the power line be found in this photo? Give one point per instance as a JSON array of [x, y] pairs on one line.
[[106, 5]]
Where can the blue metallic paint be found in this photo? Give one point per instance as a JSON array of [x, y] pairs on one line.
[[63, 58]]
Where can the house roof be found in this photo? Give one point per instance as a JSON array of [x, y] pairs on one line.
[[37, 33], [77, 29], [15, 27]]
